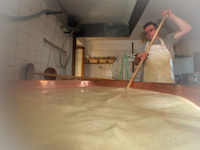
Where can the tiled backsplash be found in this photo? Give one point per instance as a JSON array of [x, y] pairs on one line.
[[21, 42], [105, 70], [107, 49], [183, 65]]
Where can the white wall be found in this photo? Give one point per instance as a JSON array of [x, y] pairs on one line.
[[108, 48], [78, 62], [184, 65], [22, 42]]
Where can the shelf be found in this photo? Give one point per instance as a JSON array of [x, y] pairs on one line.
[[53, 45], [100, 60]]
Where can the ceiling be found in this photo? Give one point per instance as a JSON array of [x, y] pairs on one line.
[[99, 11], [96, 15]]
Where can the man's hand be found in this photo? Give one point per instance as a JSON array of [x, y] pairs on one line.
[[141, 56], [166, 12], [183, 26]]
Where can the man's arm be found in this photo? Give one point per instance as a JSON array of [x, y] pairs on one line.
[[140, 56], [183, 26]]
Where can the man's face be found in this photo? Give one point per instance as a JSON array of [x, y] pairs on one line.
[[150, 31]]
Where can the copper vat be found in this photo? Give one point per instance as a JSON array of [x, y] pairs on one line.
[[191, 92]]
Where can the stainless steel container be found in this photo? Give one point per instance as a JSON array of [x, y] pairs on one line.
[[190, 78]]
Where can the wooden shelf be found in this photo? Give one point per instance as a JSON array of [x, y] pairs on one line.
[[53, 45], [100, 60]]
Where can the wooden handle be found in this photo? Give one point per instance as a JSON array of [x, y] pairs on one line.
[[147, 50]]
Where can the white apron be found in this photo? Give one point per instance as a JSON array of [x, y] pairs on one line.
[[159, 66]]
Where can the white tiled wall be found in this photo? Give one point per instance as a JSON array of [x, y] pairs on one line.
[[21, 42], [116, 48], [183, 65]]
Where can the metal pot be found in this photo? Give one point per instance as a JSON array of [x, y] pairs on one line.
[[191, 78], [51, 71]]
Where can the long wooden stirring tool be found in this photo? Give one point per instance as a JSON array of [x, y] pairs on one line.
[[147, 50]]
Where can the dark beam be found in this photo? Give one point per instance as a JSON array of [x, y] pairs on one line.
[[73, 56], [104, 30], [137, 13]]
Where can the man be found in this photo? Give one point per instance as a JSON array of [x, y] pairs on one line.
[[158, 63]]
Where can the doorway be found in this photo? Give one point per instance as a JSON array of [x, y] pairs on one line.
[[79, 61]]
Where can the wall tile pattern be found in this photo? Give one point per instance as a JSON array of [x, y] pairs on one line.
[[21, 42]]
